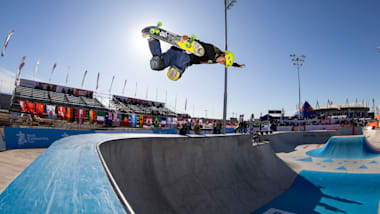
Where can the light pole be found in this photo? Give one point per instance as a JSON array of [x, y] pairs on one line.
[[227, 5], [298, 61]]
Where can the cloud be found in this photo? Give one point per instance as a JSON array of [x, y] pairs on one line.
[[7, 80]]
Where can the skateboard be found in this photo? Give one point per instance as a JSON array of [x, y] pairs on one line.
[[183, 42]]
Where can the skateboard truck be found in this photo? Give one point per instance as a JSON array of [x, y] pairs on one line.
[[156, 30], [190, 40]]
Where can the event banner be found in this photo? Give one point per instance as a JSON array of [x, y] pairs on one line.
[[21, 138]]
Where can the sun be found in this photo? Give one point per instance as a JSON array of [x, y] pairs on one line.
[[137, 45]]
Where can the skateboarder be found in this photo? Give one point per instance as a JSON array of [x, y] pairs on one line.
[[179, 60]]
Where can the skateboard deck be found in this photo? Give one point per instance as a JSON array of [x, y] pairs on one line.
[[190, 45]]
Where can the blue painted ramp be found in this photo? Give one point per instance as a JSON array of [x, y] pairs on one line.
[[66, 178], [326, 192], [345, 148]]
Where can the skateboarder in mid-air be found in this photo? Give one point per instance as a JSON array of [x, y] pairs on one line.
[[178, 60]]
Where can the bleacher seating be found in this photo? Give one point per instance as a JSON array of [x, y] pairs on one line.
[[54, 98], [64, 99]]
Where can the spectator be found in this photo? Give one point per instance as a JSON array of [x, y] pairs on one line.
[[214, 128], [197, 128], [251, 124], [184, 129]]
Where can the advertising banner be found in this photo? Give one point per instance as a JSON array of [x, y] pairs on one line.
[[21, 138]]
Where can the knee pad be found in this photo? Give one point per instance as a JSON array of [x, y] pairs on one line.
[[157, 63], [174, 73]]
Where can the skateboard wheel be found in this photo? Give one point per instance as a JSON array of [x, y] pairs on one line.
[[192, 37], [188, 44], [159, 24], [152, 31]]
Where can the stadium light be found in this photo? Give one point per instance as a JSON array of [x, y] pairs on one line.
[[227, 5], [298, 62]]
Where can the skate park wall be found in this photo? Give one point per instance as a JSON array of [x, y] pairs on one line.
[[288, 141], [148, 173], [219, 174]]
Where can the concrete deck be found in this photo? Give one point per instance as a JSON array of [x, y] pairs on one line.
[[13, 162]]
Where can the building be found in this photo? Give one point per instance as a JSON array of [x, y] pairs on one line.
[[349, 111]]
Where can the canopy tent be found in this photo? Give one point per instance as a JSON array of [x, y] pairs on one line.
[[306, 111]]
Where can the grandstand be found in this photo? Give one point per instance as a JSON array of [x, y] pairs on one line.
[[79, 99]]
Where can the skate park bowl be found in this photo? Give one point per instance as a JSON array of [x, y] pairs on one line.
[[153, 173]]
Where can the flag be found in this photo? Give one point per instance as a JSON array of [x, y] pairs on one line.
[[80, 116], [50, 109], [67, 74], [113, 77], [133, 120], [40, 109], [141, 121], [70, 114], [92, 116], [31, 107], [185, 104], [97, 81], [100, 117], [108, 118], [156, 121], [136, 89], [125, 120], [61, 112], [84, 78], [148, 120], [116, 119], [19, 69], [36, 69], [125, 83], [11, 32], [52, 71], [163, 121], [169, 122], [22, 106]]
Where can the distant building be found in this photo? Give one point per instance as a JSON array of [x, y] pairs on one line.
[[349, 111]]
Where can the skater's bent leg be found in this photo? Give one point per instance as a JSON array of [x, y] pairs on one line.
[[157, 63], [155, 47], [182, 60]]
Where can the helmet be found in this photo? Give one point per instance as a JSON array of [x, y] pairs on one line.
[[174, 73], [229, 58]]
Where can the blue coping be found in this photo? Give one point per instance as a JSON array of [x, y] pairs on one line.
[[67, 178], [345, 148], [329, 192]]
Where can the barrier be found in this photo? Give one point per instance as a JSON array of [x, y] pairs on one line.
[[22, 138], [2, 144], [144, 131]]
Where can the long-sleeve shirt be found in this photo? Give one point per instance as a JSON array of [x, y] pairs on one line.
[[210, 56]]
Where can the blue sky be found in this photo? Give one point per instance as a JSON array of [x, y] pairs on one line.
[[338, 37]]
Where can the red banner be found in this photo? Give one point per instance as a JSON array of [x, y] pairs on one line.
[[40, 109], [31, 107]]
